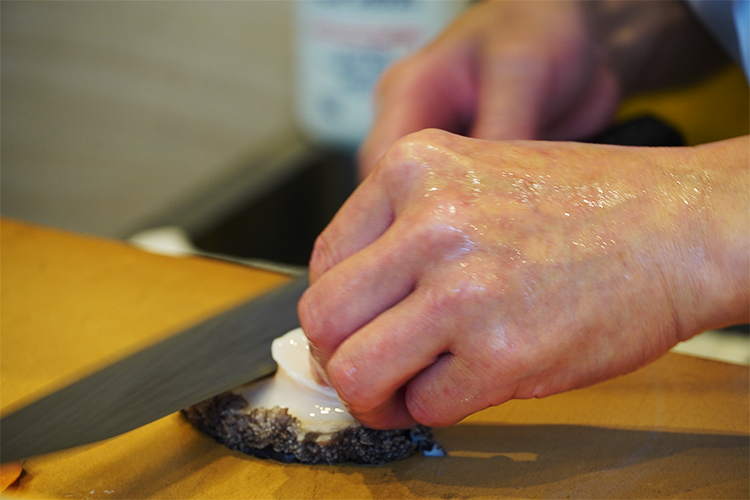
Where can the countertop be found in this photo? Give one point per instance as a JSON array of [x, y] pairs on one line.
[[678, 428]]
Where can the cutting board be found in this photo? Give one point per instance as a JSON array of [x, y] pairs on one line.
[[678, 428]]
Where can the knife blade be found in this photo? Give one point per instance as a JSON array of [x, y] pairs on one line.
[[214, 356]]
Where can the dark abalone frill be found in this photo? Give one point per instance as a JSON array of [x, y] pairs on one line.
[[274, 433]]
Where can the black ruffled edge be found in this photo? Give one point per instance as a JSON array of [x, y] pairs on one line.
[[272, 433]]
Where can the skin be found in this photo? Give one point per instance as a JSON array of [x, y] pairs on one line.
[[465, 272], [538, 70]]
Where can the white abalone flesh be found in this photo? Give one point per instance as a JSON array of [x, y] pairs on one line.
[[291, 418]]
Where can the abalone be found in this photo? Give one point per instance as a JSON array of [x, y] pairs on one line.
[[292, 418]]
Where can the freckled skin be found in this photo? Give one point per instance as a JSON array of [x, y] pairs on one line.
[[499, 270]]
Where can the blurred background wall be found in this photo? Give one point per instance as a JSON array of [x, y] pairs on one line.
[[120, 116], [115, 111]]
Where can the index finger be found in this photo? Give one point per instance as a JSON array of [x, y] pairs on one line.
[[431, 89], [360, 220]]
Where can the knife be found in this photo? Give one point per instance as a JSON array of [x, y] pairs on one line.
[[221, 353]]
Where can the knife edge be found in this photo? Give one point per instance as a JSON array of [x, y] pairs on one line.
[[216, 355]]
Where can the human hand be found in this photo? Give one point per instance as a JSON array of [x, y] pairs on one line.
[[537, 70], [504, 70], [463, 273]]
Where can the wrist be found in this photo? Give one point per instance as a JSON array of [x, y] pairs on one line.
[[710, 214]]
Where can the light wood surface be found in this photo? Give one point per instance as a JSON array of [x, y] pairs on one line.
[[678, 428]]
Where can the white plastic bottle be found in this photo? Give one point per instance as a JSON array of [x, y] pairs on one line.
[[343, 46]]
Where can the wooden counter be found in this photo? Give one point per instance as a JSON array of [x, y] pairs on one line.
[[70, 304]]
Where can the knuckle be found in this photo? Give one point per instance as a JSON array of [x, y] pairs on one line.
[[345, 378], [397, 162], [437, 301], [308, 317], [313, 318], [424, 142], [419, 410], [412, 150], [323, 256], [438, 232], [306, 314], [459, 299], [425, 410]]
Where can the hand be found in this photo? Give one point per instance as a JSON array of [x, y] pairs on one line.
[[463, 273], [537, 70], [504, 70]]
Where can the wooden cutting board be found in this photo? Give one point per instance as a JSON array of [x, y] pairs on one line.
[[679, 428]]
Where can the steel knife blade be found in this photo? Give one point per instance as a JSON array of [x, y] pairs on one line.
[[221, 353]]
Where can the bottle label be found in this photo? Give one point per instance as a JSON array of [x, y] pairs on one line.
[[342, 49]]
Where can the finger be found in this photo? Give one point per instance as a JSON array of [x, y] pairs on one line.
[[432, 89], [595, 109], [510, 91], [391, 414], [350, 295], [450, 390], [357, 290], [370, 368], [361, 219]]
